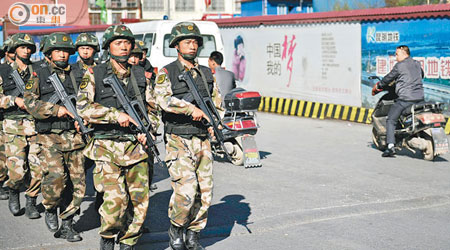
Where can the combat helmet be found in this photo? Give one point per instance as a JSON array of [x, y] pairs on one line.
[[138, 47], [117, 32], [21, 39], [58, 40], [7, 45], [86, 39], [185, 30]]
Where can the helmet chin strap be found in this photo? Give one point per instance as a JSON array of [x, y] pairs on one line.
[[188, 57], [59, 64], [87, 61], [26, 61], [120, 59]]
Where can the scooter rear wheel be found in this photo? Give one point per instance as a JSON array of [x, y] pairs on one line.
[[428, 153]]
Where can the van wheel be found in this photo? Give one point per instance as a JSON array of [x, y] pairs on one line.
[[428, 153], [378, 141]]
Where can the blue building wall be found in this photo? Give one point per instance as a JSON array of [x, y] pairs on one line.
[[328, 5], [256, 8]]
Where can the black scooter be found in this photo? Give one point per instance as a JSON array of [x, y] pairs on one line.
[[239, 127], [420, 127]]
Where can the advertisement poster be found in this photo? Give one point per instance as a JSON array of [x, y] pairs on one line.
[[311, 62], [429, 43]]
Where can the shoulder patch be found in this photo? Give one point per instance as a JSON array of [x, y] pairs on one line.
[[91, 70], [84, 82], [161, 79], [29, 85]]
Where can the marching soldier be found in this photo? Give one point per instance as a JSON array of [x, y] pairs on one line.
[[62, 161], [9, 55], [19, 130], [189, 157], [3, 169], [86, 45], [145, 63], [121, 169], [136, 54]]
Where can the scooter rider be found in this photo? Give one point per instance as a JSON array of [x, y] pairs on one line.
[[407, 74]]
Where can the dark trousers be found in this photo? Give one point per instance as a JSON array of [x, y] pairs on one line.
[[393, 115]]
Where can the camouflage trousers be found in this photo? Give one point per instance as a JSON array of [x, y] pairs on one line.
[[3, 168], [121, 185], [190, 167], [20, 149], [64, 179]]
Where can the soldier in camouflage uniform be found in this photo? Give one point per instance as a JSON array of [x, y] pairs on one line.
[[9, 54], [136, 54], [19, 130], [62, 161], [188, 148], [121, 169], [86, 46], [3, 169]]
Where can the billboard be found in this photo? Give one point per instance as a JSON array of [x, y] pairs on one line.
[[311, 62], [429, 43]]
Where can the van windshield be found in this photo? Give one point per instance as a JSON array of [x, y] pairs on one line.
[[209, 45]]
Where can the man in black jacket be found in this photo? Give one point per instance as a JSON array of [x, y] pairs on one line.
[[407, 74]]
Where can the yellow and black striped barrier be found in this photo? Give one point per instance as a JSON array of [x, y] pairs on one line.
[[315, 109], [319, 110]]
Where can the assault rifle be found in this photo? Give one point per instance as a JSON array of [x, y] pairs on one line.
[[20, 85], [207, 106], [68, 101], [136, 111]]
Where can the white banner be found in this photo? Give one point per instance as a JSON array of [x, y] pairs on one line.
[[314, 62]]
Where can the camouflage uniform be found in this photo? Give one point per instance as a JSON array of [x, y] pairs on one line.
[[3, 168], [121, 170], [19, 134], [85, 39], [189, 157], [63, 182]]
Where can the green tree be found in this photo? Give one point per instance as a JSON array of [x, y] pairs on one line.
[[395, 3]]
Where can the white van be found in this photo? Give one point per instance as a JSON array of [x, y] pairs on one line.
[[156, 35]]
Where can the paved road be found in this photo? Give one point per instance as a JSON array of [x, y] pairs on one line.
[[322, 186]]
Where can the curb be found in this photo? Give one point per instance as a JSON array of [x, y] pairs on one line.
[[315, 109], [320, 110]]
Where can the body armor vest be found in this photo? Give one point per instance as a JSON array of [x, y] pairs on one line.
[[105, 95], [5, 70], [78, 70], [10, 89], [46, 91], [180, 124]]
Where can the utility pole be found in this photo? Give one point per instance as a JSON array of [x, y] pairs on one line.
[[168, 9]]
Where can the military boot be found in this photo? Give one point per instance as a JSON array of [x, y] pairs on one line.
[[176, 238], [126, 247], [30, 208], [51, 219], [106, 244], [3, 192], [67, 232], [192, 242], [14, 202]]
